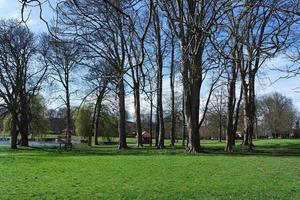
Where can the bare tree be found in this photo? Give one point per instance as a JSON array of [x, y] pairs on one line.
[[98, 79], [20, 78], [218, 106], [172, 83], [159, 63], [260, 32], [192, 21], [278, 113], [109, 31], [63, 56], [150, 96]]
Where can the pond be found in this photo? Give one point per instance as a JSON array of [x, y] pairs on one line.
[[37, 143]]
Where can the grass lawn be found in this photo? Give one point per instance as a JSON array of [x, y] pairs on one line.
[[271, 171]]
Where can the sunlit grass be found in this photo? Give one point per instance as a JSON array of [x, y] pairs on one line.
[[271, 171]]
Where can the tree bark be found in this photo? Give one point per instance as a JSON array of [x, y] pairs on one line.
[[192, 120], [237, 114], [92, 125], [172, 79], [99, 109], [97, 123], [24, 110], [24, 126], [68, 143], [137, 107], [220, 127], [249, 112], [159, 62], [191, 90], [150, 122], [156, 126], [183, 124], [122, 118], [230, 136], [14, 133]]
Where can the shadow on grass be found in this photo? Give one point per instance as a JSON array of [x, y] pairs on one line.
[[217, 149]]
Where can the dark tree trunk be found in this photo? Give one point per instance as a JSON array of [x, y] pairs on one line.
[[183, 124], [138, 114], [230, 136], [156, 127], [161, 136], [14, 133], [159, 62], [237, 113], [172, 79], [122, 115], [192, 120], [92, 125], [252, 109], [24, 119], [150, 122], [192, 117], [220, 127], [98, 111], [192, 103], [230, 114], [68, 143], [249, 113], [24, 127], [97, 122], [191, 74]]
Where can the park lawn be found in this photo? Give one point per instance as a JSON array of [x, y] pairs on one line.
[[271, 171]]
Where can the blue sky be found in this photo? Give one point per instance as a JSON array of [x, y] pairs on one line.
[[264, 83]]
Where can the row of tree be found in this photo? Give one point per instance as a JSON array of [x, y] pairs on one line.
[[122, 47]]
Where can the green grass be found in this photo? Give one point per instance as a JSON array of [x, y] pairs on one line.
[[271, 171]]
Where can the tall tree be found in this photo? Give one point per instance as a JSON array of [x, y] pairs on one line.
[[191, 22], [63, 57], [260, 32], [159, 63], [20, 79], [172, 83]]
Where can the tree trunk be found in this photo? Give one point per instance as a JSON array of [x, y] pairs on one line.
[[230, 136], [220, 127], [249, 112], [159, 62], [252, 109], [138, 114], [237, 113], [68, 143], [183, 124], [24, 119], [161, 136], [99, 108], [122, 118], [192, 120], [192, 103], [150, 122], [24, 127], [14, 133], [92, 125], [157, 127], [230, 129], [191, 90], [97, 123], [172, 79]]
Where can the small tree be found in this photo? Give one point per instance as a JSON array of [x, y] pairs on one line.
[[83, 121]]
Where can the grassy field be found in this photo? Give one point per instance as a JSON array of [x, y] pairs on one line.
[[271, 171]]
